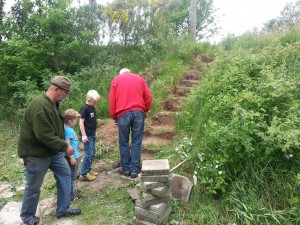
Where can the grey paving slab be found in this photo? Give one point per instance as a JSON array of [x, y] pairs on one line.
[[181, 187], [159, 207], [159, 221], [152, 214], [155, 207], [159, 191], [151, 185], [155, 178], [155, 201], [141, 222], [144, 197], [133, 193], [155, 167]]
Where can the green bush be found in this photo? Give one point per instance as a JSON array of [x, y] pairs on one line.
[[245, 109]]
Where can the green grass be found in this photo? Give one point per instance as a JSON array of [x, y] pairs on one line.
[[11, 166], [110, 206]]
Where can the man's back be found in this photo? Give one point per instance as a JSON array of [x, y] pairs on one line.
[[129, 92]]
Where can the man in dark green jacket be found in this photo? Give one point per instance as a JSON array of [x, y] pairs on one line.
[[42, 147]]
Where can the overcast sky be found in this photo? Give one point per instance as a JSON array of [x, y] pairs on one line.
[[237, 16]]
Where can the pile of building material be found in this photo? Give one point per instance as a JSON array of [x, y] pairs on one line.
[[153, 205]]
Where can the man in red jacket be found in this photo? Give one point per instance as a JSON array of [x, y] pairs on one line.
[[129, 101]]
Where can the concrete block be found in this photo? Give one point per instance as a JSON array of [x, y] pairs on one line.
[[144, 197], [159, 207], [155, 201], [180, 187], [155, 167], [152, 214], [155, 178], [151, 185], [133, 193], [155, 207], [141, 222], [164, 217], [160, 191]]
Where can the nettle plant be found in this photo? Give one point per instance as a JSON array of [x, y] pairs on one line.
[[210, 172], [184, 148]]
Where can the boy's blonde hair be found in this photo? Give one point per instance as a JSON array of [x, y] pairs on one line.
[[70, 114], [92, 95]]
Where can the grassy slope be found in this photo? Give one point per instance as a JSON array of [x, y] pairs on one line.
[[243, 204]]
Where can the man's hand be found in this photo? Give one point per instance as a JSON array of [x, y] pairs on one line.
[[70, 150]]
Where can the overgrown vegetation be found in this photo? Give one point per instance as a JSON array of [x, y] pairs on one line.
[[244, 122]]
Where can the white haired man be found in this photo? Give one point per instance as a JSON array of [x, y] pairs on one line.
[[129, 101]]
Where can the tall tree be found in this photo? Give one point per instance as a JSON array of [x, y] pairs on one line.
[[289, 17]]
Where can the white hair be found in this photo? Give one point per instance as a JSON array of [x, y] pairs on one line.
[[124, 70], [93, 95]]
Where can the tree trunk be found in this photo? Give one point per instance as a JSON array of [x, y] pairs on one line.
[[193, 14]]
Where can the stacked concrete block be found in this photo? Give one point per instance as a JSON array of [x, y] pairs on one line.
[[153, 205]]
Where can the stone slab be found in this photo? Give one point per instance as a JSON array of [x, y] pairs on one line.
[[152, 214], [9, 214], [161, 220], [155, 178], [144, 197], [155, 167], [151, 185], [181, 187], [155, 201], [160, 191], [133, 193], [115, 174], [155, 207], [141, 222]]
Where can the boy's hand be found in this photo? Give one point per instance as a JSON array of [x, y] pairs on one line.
[[84, 139], [70, 150], [72, 161]]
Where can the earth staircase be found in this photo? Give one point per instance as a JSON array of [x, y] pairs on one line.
[[160, 128]]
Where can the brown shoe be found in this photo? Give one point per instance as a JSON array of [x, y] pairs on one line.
[[93, 173], [88, 177]]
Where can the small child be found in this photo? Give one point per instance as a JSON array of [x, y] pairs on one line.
[[70, 119], [88, 124]]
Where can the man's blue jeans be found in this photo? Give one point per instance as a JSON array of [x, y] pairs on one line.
[[36, 169], [89, 154], [133, 122]]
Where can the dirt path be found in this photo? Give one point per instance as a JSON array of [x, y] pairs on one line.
[[159, 128]]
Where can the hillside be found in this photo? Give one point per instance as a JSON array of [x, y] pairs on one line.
[[159, 132]]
